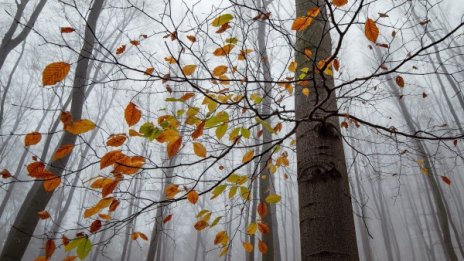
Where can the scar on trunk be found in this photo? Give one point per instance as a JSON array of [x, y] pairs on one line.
[[319, 173]]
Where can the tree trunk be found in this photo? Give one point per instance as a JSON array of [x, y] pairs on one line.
[[37, 198], [326, 220]]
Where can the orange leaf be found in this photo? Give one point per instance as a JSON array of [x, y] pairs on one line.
[[49, 248], [66, 117], [134, 42], [63, 151], [79, 126], [70, 258], [187, 96], [55, 72], [192, 196], [263, 228], [171, 190], [51, 183], [116, 140], [248, 156], [199, 149], [339, 3], [129, 165], [41, 258], [143, 236], [32, 138], [95, 226], [302, 22], [109, 188], [110, 158], [199, 130], [220, 70], [105, 216], [262, 247], [225, 50], [170, 60], [132, 114], [113, 205], [43, 214], [167, 219], [248, 247], [189, 69], [174, 147], [200, 225], [262, 209], [371, 31], [67, 30], [192, 38], [400, 81], [91, 211]]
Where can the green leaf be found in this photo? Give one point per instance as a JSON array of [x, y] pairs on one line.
[[202, 212], [265, 124], [221, 130], [219, 118], [245, 133], [232, 40], [73, 244], [222, 19], [173, 100], [273, 199], [150, 131], [218, 190], [84, 248], [256, 98], [215, 221]]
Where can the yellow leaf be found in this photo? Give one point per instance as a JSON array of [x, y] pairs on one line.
[[305, 91], [221, 238], [132, 114], [199, 149], [63, 151], [192, 196], [90, 212], [32, 138], [248, 156], [224, 251], [292, 66], [170, 60], [55, 72], [248, 247], [104, 203], [252, 228], [371, 31], [221, 20], [220, 70], [174, 147], [79, 126], [225, 50], [273, 199], [339, 3], [189, 69]]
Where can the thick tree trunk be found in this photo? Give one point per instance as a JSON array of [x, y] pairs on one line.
[[37, 198], [326, 219]]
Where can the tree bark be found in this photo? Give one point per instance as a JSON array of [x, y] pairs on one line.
[[37, 198], [326, 220]]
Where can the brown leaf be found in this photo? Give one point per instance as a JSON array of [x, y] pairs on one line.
[[121, 49], [55, 72], [116, 140], [223, 51], [95, 226], [80, 126], [400, 81], [262, 209], [66, 30], [339, 3], [173, 147], [5, 174], [134, 42], [199, 130], [110, 158], [371, 31], [446, 180], [262, 247], [192, 38], [263, 228], [149, 71], [43, 214], [51, 183], [49, 248], [192, 196], [66, 117], [167, 219], [132, 114], [200, 225], [63, 151], [32, 138]]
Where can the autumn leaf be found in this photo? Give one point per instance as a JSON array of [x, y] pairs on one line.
[[43, 214], [80, 126], [132, 114], [50, 248], [220, 70], [67, 30], [302, 22], [223, 51], [339, 3], [248, 247], [243, 54], [114, 205], [171, 191], [192, 196], [189, 69], [55, 72], [5, 174], [252, 228], [199, 130], [66, 117], [32, 138], [262, 209], [121, 49], [199, 149], [174, 147], [51, 184], [273, 199], [400, 81], [263, 228], [262, 247], [187, 96], [200, 225], [116, 140], [192, 38], [292, 66], [305, 91], [371, 31], [70, 258], [218, 190], [91, 211], [129, 165], [221, 20], [95, 226], [248, 156], [446, 180], [110, 158], [167, 219], [221, 238], [134, 42], [63, 151], [149, 71]]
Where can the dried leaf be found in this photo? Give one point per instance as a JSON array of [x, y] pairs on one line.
[[248, 156], [95, 226], [199, 149], [192, 196], [116, 140], [400, 81], [132, 114], [55, 72], [63, 151], [43, 214], [174, 147], [167, 219], [80, 126], [32, 138], [67, 30], [371, 31], [223, 51], [262, 209]]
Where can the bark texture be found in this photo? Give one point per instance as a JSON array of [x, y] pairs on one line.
[[326, 220]]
